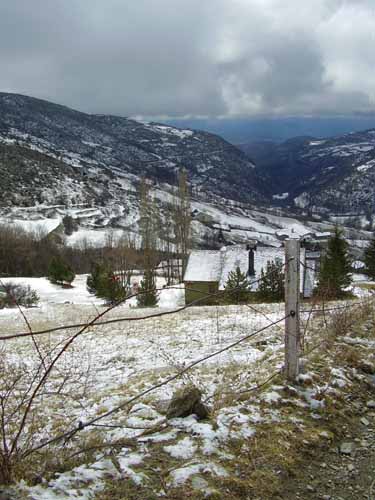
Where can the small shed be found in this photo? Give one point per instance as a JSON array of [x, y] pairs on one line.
[[202, 275]]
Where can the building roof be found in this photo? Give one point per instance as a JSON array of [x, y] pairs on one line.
[[203, 265], [215, 265]]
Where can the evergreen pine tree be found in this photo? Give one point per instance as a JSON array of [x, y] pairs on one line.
[[272, 282], [60, 272], [148, 296], [370, 260], [94, 278], [105, 284], [335, 271], [237, 287]]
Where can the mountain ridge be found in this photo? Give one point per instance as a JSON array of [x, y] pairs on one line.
[[153, 150], [336, 174], [51, 155]]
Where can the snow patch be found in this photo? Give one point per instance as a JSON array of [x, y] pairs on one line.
[[183, 449], [282, 196]]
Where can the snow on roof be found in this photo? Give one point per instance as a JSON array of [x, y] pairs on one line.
[[215, 265], [203, 265]]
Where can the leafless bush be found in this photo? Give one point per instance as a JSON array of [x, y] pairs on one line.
[[341, 322], [28, 391], [13, 294]]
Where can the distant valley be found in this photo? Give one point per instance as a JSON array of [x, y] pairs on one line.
[[324, 176], [56, 161]]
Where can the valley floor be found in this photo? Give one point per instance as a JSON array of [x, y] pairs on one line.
[[261, 434]]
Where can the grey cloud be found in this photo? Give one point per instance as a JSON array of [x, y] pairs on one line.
[[169, 57]]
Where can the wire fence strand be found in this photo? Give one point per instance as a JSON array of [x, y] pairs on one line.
[[82, 425]]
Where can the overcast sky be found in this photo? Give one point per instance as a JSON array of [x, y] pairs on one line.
[[192, 57]]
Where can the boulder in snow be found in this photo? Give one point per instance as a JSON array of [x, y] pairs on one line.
[[187, 401]]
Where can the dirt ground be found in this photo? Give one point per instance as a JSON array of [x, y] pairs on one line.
[[347, 469]]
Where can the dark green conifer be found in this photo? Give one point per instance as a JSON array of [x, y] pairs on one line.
[[148, 296], [237, 287], [335, 271], [59, 272], [272, 283], [106, 284]]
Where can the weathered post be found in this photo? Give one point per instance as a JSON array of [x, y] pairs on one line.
[[292, 293]]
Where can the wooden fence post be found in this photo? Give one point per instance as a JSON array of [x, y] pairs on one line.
[[292, 313]]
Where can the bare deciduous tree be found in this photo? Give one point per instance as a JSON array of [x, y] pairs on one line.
[[182, 219]]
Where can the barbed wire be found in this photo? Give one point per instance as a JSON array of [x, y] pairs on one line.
[[82, 425], [137, 318], [336, 308], [303, 264], [85, 326], [82, 330]]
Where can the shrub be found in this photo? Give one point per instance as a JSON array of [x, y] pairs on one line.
[[59, 272], [107, 284], [12, 294]]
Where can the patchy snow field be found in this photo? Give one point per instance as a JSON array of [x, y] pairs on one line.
[[109, 364]]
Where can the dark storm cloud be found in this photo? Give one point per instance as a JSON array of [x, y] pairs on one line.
[[206, 57]]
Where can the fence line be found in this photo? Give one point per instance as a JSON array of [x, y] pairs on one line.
[[82, 425], [333, 309], [85, 327], [95, 323]]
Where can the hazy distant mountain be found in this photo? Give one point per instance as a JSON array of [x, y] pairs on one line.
[[330, 175], [243, 130]]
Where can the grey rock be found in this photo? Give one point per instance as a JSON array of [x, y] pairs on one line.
[[161, 406], [346, 448], [367, 367], [200, 410], [370, 404], [185, 402], [364, 421]]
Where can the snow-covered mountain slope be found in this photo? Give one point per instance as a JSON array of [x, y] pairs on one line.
[[55, 161], [105, 205], [129, 147], [335, 175]]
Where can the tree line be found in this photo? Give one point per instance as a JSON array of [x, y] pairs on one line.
[[164, 237]]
